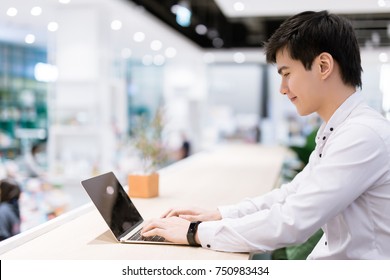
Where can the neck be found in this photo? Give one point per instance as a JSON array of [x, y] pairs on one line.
[[335, 97]]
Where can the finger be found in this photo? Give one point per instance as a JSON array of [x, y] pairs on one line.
[[147, 224], [179, 212], [166, 213], [191, 218], [173, 212], [152, 225], [159, 232], [176, 212], [153, 232]]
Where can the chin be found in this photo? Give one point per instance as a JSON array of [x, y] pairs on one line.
[[304, 113]]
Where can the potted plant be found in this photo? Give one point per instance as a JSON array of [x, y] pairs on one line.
[[147, 141]]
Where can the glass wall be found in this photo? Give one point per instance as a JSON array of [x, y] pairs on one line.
[[22, 97]]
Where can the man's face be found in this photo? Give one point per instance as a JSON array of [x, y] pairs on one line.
[[301, 86]]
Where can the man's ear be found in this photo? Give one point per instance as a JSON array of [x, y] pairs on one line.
[[326, 64]]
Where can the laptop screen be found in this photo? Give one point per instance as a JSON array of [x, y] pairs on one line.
[[113, 203]]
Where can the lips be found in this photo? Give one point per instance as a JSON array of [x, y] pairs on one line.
[[293, 98]]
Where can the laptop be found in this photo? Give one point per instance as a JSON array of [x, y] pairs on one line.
[[117, 209]]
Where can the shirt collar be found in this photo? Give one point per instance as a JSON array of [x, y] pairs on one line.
[[339, 115]]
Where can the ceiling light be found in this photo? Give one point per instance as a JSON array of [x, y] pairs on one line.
[[64, 1], [170, 52], [201, 29], [52, 26], [183, 13], [29, 39], [139, 36], [158, 60], [116, 25], [174, 9], [217, 42], [376, 38], [147, 60], [44, 72], [239, 6], [239, 57], [126, 53], [36, 11], [212, 33], [12, 12], [156, 45], [381, 3], [383, 57]]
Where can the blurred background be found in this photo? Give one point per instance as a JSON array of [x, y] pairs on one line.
[[77, 76]]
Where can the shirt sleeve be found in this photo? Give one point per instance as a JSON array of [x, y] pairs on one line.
[[290, 215], [251, 205]]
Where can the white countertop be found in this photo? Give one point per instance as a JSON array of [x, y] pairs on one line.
[[222, 176]]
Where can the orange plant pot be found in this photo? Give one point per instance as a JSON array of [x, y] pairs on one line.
[[143, 186]]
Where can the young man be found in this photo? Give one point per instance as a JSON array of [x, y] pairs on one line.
[[345, 187]]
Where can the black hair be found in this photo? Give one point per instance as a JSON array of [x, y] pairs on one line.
[[308, 34]]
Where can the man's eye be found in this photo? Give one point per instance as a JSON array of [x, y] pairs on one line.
[[286, 74]]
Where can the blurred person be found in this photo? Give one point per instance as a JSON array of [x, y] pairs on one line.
[[32, 162], [9, 208], [185, 149], [345, 187]]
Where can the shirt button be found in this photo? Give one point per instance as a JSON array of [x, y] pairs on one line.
[[208, 246], [331, 129], [323, 138], [326, 243], [320, 155]]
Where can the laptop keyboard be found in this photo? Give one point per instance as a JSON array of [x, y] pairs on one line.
[[138, 237]]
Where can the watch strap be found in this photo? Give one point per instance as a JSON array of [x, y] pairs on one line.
[[192, 229]]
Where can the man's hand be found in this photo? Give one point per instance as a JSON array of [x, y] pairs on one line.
[[173, 229], [193, 214]]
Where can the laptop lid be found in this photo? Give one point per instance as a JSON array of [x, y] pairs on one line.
[[113, 203]]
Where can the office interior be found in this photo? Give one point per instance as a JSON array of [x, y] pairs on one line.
[[76, 75]]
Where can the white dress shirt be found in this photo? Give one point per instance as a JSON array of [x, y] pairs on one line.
[[344, 189]]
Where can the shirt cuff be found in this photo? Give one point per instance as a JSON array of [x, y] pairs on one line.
[[206, 233]]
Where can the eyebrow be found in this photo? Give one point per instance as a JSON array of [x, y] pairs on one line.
[[281, 69]]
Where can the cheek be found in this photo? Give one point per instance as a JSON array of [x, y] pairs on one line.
[[302, 85], [297, 86]]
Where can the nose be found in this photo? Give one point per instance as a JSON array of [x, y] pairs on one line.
[[283, 88]]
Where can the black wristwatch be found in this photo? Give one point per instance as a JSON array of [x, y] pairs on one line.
[[192, 229]]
